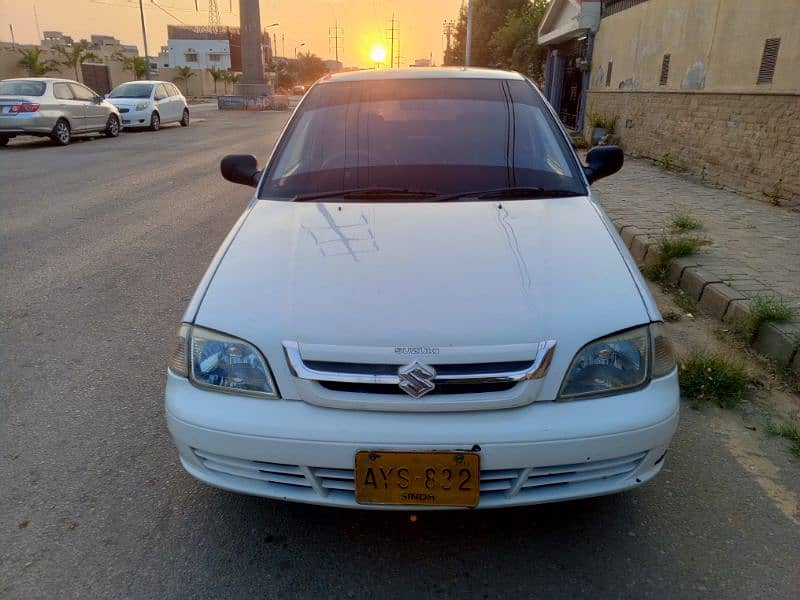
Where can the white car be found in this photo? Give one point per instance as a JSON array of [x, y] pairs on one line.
[[149, 104], [423, 306]]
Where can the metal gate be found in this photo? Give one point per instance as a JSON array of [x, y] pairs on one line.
[[97, 77]]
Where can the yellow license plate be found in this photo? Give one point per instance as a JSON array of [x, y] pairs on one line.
[[418, 478]]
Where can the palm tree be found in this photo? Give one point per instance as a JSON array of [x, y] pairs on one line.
[[33, 62], [135, 64], [74, 55], [184, 74], [234, 78], [216, 75]]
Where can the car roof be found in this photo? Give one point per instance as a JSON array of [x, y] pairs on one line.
[[42, 79], [152, 81], [422, 73]]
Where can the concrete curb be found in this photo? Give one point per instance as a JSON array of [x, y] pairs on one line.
[[777, 341]]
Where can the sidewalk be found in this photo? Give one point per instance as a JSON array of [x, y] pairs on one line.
[[754, 249]]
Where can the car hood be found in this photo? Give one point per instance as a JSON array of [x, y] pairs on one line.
[[127, 102], [457, 274]]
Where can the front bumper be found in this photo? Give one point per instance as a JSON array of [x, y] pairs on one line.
[[543, 452], [135, 118]]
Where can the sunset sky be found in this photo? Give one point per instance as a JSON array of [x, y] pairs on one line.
[[364, 22]]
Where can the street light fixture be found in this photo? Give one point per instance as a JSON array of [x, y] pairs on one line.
[[298, 46]]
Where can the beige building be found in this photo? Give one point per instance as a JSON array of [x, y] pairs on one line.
[[710, 86]]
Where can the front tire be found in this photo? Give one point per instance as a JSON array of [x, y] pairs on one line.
[[112, 127], [61, 134], [185, 118], [155, 122]]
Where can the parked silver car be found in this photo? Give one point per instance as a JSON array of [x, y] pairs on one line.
[[150, 104], [55, 108]]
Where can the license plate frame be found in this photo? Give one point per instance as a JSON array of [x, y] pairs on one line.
[[380, 477]]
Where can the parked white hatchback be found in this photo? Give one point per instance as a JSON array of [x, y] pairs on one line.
[[149, 104], [423, 306]]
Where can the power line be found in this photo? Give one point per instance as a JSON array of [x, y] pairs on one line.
[[165, 11]]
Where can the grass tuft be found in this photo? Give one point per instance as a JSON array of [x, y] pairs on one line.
[[788, 430], [764, 309], [683, 222], [678, 247], [709, 377]]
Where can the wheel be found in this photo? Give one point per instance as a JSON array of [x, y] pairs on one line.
[[61, 133], [185, 118], [4, 140], [155, 122], [112, 127]]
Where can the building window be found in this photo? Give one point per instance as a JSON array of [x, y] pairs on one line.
[[608, 73], [215, 58], [768, 59], [664, 70], [611, 7], [191, 56]]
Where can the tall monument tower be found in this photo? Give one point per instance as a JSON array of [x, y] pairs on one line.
[[253, 80]]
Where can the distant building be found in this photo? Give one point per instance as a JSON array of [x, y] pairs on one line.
[[334, 66], [422, 62], [51, 39], [201, 48]]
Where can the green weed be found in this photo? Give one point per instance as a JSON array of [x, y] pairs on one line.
[[683, 222], [678, 247], [764, 309], [710, 377], [788, 430]]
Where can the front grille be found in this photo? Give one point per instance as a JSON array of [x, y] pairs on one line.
[[124, 110], [510, 483], [442, 389]]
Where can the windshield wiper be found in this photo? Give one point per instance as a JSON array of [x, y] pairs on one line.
[[371, 193], [511, 192]]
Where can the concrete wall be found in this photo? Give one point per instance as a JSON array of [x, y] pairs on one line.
[[711, 117]]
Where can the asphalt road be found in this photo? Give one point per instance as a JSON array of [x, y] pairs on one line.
[[101, 246]]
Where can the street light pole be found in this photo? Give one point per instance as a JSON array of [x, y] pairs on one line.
[[298, 46], [144, 37], [469, 34]]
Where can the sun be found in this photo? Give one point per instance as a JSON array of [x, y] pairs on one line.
[[378, 54]]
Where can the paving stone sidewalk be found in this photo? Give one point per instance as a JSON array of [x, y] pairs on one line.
[[754, 247]]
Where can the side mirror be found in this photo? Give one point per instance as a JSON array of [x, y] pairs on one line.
[[241, 168], [603, 161]]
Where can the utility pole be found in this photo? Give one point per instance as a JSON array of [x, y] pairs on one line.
[[335, 37], [36, 18], [391, 46], [448, 27], [144, 38], [469, 34], [283, 44], [13, 41], [213, 16]]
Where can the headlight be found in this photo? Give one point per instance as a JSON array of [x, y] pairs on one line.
[[221, 362], [142, 105], [618, 362]]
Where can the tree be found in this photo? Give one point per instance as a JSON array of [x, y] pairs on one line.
[[135, 64], [310, 67], [217, 75], [515, 46], [184, 74], [74, 55], [33, 62], [487, 17]]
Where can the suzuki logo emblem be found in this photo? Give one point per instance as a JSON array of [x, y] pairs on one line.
[[416, 379]]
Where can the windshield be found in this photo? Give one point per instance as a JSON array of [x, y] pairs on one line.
[[21, 87], [132, 90], [444, 136]]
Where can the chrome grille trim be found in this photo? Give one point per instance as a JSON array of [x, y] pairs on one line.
[[536, 370]]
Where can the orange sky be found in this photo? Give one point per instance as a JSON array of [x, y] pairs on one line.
[[364, 22]]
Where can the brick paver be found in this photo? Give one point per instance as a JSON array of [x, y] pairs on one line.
[[755, 247]]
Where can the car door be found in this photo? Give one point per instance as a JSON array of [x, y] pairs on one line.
[[162, 103], [94, 113], [176, 99], [69, 106]]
